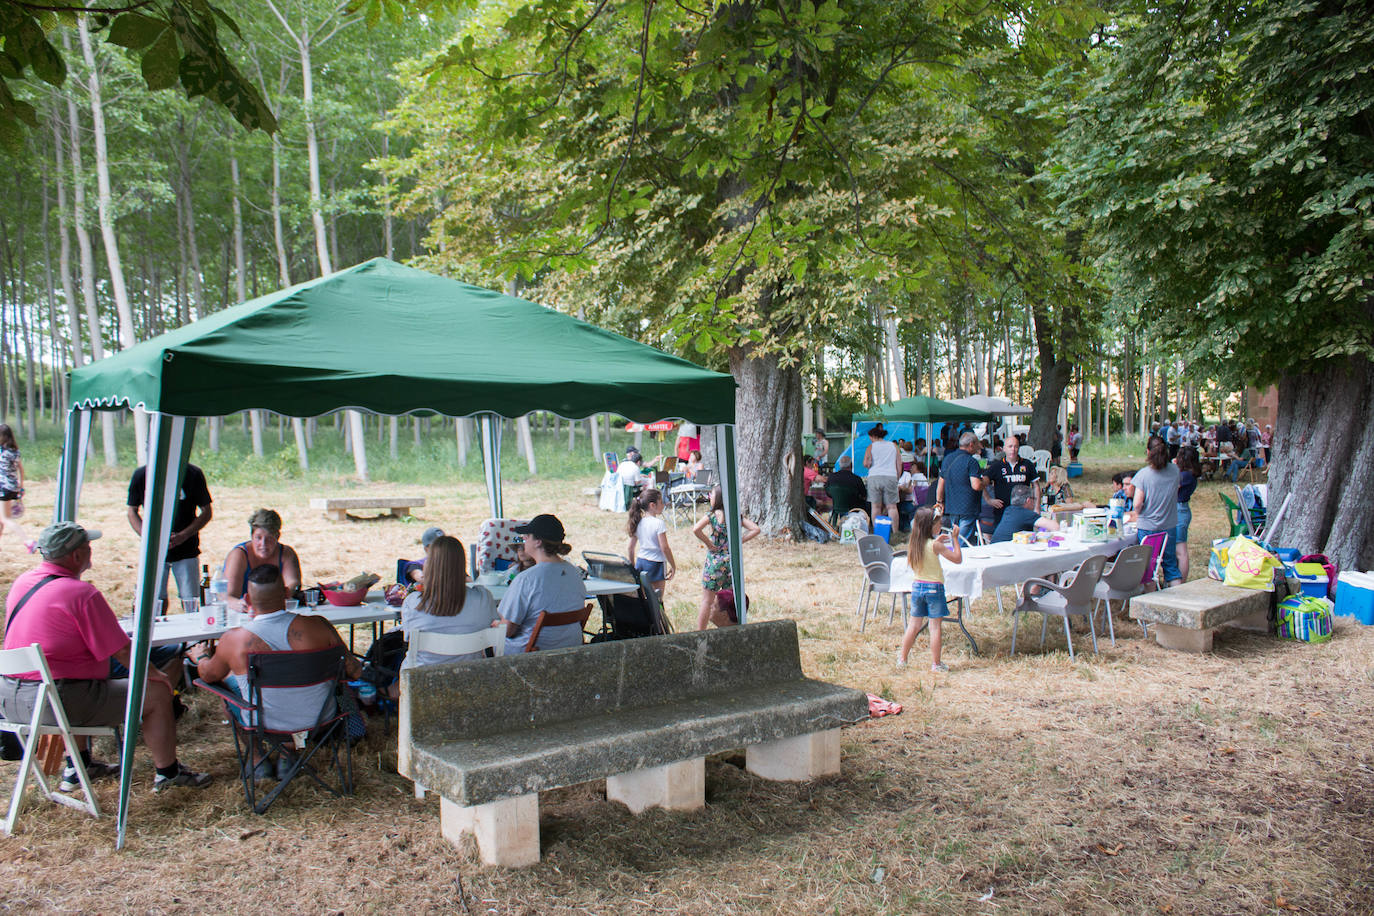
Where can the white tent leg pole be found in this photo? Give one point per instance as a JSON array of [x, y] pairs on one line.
[[729, 493], [169, 447], [491, 461], [72, 468]]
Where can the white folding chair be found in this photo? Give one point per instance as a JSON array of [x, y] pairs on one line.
[[22, 661], [493, 638]]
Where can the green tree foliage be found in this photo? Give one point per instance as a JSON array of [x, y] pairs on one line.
[[1226, 160], [177, 42], [743, 177]]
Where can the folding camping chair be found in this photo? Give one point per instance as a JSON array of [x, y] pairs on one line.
[[627, 616], [312, 719], [22, 661]]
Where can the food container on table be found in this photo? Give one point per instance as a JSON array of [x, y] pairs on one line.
[[340, 598], [1021, 537]]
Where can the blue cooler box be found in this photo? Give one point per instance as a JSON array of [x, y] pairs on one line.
[[882, 527], [1355, 596], [1074, 469], [1288, 554], [1316, 586]]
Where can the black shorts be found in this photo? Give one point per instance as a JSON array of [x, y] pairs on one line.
[[8, 496]]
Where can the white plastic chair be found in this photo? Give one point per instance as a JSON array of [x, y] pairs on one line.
[[1072, 600], [22, 661], [876, 556], [1122, 581], [493, 638]]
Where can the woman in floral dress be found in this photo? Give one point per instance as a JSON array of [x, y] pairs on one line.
[[715, 576]]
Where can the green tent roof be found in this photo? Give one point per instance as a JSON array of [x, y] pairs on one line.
[[392, 339], [921, 409]]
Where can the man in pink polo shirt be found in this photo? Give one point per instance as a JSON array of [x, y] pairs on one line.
[[79, 634]]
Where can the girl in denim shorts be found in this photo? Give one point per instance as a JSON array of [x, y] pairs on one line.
[[928, 544]]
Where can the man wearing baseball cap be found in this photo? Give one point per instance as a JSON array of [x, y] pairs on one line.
[[74, 624]]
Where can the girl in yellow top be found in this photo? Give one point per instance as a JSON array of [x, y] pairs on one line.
[[928, 544]]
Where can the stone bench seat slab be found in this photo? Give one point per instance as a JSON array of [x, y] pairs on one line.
[[523, 761], [1186, 616]]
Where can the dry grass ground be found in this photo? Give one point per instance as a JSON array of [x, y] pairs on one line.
[[1134, 781]]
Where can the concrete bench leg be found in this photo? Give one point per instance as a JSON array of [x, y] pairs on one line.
[[401, 511], [676, 786], [796, 759], [336, 515], [507, 831], [1182, 639]]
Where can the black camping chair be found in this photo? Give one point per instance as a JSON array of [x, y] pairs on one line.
[[296, 741], [631, 615]]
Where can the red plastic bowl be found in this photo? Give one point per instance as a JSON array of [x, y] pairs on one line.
[[340, 598]]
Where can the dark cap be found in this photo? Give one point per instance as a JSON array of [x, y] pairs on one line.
[[430, 536], [544, 527]]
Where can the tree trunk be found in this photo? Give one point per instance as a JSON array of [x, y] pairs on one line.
[[302, 448], [278, 235], [104, 205], [83, 244], [64, 250], [768, 441], [1055, 375], [1330, 412], [522, 427], [255, 426]]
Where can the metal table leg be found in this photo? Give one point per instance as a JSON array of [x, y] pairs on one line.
[[959, 619]]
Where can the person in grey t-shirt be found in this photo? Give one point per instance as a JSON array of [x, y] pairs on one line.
[[552, 584], [1156, 504]]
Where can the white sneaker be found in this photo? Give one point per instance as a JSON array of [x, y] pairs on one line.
[[939, 668], [901, 662]]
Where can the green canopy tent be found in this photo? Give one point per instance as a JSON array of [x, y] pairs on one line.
[[916, 409], [388, 339]]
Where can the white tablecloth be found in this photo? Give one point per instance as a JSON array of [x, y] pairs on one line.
[[592, 587], [993, 565], [188, 628]]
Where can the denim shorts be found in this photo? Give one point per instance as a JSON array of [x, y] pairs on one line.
[[657, 569], [928, 600], [1185, 518]]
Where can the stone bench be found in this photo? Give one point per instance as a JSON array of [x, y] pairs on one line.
[[489, 735], [1186, 616], [336, 507]]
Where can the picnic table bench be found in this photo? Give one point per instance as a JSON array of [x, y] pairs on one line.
[[488, 735], [1186, 616], [336, 507]]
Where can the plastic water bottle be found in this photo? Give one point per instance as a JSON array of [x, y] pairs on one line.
[[367, 693]]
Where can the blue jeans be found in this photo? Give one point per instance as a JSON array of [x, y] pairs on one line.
[[1168, 558], [928, 600], [968, 527], [1185, 518]]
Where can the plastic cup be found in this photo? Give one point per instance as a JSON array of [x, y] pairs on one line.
[[190, 605], [292, 604]]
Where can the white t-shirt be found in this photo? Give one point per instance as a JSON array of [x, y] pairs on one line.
[[628, 472], [884, 458], [478, 613], [647, 534]]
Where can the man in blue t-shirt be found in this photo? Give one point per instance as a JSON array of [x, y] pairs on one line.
[[1020, 515], [959, 492]]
